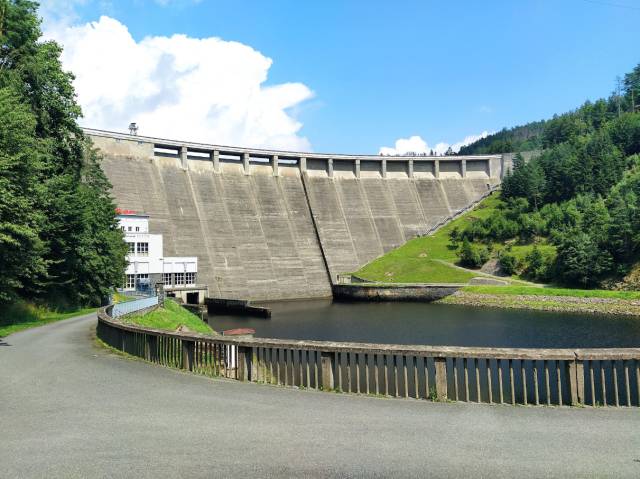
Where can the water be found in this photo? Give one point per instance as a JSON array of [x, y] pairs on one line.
[[433, 324]]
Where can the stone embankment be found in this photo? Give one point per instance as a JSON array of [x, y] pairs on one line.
[[393, 292], [608, 306]]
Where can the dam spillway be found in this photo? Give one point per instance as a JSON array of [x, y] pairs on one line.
[[274, 225]]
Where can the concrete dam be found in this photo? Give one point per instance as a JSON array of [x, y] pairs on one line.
[[276, 225]]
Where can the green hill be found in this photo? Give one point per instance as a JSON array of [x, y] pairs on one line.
[[568, 217]]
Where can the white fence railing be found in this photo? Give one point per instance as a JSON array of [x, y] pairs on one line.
[[120, 309]]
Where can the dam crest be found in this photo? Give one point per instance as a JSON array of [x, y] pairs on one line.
[[276, 225]]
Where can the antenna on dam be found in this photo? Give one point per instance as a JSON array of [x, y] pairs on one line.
[[133, 128]]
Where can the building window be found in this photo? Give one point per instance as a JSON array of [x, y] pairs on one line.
[[122, 228], [179, 279], [142, 281], [129, 228], [130, 281], [137, 228], [166, 279], [143, 249], [132, 248], [190, 278]]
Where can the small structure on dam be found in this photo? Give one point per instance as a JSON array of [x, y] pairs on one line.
[[273, 225]]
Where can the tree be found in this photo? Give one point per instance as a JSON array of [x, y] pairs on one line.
[[632, 86], [508, 262], [57, 219], [21, 249], [472, 256], [580, 261]]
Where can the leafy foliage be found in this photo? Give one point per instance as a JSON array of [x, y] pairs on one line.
[[59, 240], [472, 256], [582, 194]]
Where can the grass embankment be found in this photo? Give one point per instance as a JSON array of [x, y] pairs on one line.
[[21, 315], [548, 291], [170, 317], [549, 299], [429, 259]]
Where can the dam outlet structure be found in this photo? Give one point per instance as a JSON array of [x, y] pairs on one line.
[[278, 225]]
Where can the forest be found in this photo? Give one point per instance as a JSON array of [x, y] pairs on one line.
[[59, 241], [578, 203]]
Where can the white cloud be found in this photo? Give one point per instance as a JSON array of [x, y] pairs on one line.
[[179, 87], [415, 144]]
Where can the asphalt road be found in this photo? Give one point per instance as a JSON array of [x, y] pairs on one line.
[[69, 408]]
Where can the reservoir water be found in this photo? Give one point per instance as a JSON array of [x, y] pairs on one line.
[[433, 324]]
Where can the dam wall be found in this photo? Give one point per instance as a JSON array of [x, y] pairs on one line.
[[274, 225]]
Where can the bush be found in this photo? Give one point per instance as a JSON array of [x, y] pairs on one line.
[[538, 267], [472, 256], [508, 263]]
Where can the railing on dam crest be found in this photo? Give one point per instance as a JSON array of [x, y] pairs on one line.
[[489, 375]]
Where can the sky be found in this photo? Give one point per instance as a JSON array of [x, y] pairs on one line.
[[339, 76]]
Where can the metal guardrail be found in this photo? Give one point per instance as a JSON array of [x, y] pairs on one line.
[[608, 377], [127, 307]]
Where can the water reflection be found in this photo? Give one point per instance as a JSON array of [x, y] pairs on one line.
[[416, 323]]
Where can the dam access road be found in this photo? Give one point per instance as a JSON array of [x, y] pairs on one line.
[[70, 408]]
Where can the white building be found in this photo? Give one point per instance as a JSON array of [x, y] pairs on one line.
[[148, 265]]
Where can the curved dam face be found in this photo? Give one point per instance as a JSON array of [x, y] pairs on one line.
[[272, 225]]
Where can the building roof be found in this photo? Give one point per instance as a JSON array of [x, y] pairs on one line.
[[123, 212]]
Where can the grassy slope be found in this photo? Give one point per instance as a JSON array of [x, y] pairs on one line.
[[423, 260], [170, 317], [22, 315], [533, 291]]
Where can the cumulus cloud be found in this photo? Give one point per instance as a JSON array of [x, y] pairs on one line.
[[199, 89], [415, 144]]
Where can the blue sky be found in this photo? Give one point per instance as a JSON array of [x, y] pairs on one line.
[[380, 71]]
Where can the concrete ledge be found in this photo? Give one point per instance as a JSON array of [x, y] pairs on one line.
[[240, 307], [399, 292]]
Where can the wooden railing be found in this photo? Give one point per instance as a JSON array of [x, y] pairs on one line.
[[490, 375]]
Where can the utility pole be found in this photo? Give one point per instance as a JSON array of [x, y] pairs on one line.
[[618, 82]]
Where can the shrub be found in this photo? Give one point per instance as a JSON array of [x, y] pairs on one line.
[[538, 267], [472, 256], [508, 263]]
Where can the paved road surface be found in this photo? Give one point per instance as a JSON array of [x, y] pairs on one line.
[[71, 409]]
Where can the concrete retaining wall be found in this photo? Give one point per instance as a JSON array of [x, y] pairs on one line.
[[247, 214], [407, 292]]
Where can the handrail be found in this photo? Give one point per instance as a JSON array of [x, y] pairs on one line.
[[607, 376], [270, 152]]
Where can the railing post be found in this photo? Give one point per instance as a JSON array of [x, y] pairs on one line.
[[215, 157], [253, 370], [152, 347], [580, 381], [244, 358], [188, 349], [441, 378], [327, 362]]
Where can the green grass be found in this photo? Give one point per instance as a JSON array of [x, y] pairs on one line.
[[533, 291], [121, 298], [22, 315], [521, 251], [413, 261], [169, 317], [403, 271]]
